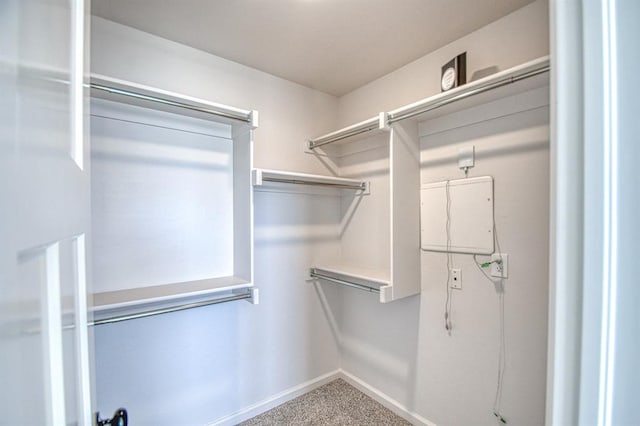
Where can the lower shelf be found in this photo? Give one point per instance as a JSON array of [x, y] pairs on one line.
[[166, 297], [261, 177], [371, 280]]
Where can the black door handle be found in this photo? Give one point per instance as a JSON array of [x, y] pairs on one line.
[[120, 418]]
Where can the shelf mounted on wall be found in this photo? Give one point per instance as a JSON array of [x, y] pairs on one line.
[[113, 303], [402, 277], [137, 94], [107, 315], [357, 131], [518, 79], [261, 177], [365, 279]]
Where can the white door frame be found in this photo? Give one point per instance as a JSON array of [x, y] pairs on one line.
[[592, 378]]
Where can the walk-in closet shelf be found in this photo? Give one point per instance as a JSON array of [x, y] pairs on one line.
[[374, 229], [351, 133], [368, 279], [380, 244], [150, 97], [172, 201], [263, 177], [522, 78]]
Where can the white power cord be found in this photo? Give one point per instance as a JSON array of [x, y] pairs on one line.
[[448, 300], [502, 350]]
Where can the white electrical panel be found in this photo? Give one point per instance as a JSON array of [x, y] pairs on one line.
[[470, 216]]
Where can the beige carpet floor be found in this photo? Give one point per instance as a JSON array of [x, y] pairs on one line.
[[336, 403]]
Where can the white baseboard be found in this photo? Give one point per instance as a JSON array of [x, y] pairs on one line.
[[385, 400], [294, 392], [277, 399]]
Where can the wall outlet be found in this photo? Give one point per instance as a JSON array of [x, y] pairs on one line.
[[456, 278], [500, 269]]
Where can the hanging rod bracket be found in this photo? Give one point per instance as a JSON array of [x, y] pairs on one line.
[[383, 121], [366, 188], [254, 292], [254, 119]]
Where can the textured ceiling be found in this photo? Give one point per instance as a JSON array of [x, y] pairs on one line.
[[331, 45]]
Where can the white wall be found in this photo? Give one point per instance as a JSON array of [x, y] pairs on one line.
[[521, 36], [289, 113], [461, 368], [193, 367], [402, 348], [210, 362]]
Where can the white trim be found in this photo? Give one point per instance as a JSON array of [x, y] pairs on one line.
[[567, 212], [275, 400], [85, 411], [53, 348], [385, 400], [296, 391], [77, 83], [609, 287]]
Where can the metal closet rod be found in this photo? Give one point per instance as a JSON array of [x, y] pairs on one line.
[[113, 90], [120, 318], [358, 286], [360, 187]]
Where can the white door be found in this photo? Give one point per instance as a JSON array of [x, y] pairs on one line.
[[44, 214]]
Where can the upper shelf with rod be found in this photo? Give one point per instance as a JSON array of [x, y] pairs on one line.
[[370, 280], [125, 305], [351, 133], [124, 290], [528, 76], [398, 171], [150, 97], [262, 176], [522, 78]]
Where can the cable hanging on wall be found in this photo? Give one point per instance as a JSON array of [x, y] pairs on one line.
[[448, 300], [502, 350], [457, 240]]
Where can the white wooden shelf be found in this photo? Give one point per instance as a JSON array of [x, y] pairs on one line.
[[114, 89], [367, 279], [528, 76], [135, 299], [262, 177], [383, 228], [153, 220], [522, 78], [352, 133], [389, 219], [161, 293], [377, 277]]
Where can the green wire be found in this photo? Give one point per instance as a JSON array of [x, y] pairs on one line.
[[502, 419]]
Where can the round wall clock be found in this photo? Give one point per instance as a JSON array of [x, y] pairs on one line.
[[454, 72], [448, 79]]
